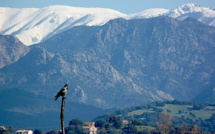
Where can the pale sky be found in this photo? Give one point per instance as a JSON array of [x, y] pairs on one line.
[[123, 6]]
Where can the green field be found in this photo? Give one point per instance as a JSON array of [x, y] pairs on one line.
[[181, 110], [145, 128], [137, 112], [184, 110]]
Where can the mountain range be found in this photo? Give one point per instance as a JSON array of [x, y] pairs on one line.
[[122, 63], [107, 62], [33, 25]]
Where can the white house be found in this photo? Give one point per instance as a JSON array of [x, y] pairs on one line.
[[3, 127], [24, 132], [90, 128]]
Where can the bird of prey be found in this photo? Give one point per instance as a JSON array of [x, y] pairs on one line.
[[62, 92]]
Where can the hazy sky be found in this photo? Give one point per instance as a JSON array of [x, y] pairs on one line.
[[124, 6]]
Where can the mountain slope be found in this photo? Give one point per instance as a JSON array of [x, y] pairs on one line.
[[208, 93], [122, 63], [32, 25], [11, 49], [34, 69]]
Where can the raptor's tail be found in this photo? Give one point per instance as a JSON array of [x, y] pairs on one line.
[[56, 97]]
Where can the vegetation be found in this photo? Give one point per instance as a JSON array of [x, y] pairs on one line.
[[6, 130], [76, 122], [37, 131], [154, 118], [169, 116], [164, 125]]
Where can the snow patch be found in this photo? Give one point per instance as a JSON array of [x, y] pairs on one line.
[[33, 25], [148, 13]]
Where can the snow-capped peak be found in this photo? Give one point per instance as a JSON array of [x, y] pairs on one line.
[[202, 14], [186, 8], [154, 12], [189, 8], [34, 25]]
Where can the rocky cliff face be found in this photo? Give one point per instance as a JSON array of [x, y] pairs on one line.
[[11, 49], [122, 63]]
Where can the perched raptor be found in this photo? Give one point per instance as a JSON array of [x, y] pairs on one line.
[[62, 92]]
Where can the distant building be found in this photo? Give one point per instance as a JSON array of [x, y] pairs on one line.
[[90, 124], [6, 129], [24, 132], [3, 127], [90, 128], [142, 118], [125, 122]]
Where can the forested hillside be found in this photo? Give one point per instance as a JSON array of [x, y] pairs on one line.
[[177, 114]]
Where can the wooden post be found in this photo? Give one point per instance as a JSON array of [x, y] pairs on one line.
[[62, 114]]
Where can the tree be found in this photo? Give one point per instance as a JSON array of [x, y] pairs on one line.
[[76, 122], [169, 111], [36, 131], [100, 123], [212, 118], [111, 131], [108, 126], [74, 129], [196, 130], [117, 124], [136, 122], [53, 132], [164, 123], [160, 104], [102, 131], [116, 121], [130, 129], [181, 111], [198, 106], [184, 129]]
